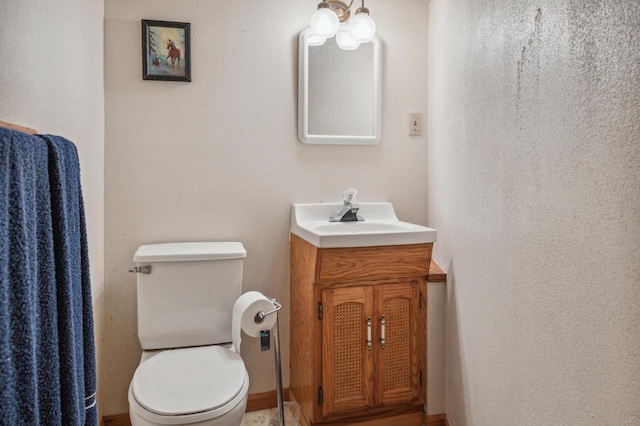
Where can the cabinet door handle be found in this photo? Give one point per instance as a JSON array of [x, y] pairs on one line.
[[382, 324], [369, 333]]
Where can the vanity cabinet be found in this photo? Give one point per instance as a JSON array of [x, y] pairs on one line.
[[358, 333], [370, 351]]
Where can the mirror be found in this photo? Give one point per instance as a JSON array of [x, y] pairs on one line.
[[339, 93]]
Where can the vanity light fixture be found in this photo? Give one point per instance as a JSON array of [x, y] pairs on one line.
[[325, 23]]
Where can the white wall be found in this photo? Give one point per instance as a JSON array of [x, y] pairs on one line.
[[51, 79], [534, 177], [219, 159]]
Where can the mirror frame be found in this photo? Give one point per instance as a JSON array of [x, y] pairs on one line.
[[303, 99]]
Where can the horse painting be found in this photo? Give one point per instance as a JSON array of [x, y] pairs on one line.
[[173, 53], [166, 51]]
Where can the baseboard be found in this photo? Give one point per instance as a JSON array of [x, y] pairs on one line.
[[435, 420], [117, 420], [264, 400]]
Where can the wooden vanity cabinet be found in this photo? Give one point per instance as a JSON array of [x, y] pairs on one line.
[[342, 371]]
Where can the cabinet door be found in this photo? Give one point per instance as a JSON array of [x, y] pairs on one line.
[[347, 356], [400, 317]]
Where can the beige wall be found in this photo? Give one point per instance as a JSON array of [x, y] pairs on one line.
[[51, 79], [534, 177], [219, 159]]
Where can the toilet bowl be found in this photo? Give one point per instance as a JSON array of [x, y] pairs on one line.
[[204, 386], [188, 373]]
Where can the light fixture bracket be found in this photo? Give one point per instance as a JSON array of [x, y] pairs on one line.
[[341, 9]]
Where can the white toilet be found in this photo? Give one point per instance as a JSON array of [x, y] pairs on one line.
[[188, 373]]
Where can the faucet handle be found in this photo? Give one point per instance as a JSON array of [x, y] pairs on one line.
[[350, 196]]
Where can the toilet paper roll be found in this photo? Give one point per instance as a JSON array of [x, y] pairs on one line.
[[244, 314]]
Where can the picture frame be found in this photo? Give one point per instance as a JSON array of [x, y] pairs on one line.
[[166, 50]]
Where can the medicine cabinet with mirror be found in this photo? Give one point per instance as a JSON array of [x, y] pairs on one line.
[[339, 92]]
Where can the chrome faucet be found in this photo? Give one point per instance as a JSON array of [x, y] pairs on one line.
[[349, 211]]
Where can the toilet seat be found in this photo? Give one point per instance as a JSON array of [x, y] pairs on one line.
[[190, 383]]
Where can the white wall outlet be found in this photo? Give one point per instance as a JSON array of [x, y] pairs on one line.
[[415, 124]]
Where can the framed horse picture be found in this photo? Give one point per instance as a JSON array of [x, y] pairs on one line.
[[166, 50]]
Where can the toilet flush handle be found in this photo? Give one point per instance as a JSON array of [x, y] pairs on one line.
[[144, 269]]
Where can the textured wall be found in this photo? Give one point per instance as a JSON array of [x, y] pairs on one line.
[[219, 159], [51, 79], [534, 177]]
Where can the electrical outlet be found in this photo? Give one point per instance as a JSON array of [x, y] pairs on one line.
[[415, 124]]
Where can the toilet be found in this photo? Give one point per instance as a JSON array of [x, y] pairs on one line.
[[188, 373]]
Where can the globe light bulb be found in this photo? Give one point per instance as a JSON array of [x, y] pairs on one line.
[[361, 27], [345, 42], [324, 22], [314, 40]]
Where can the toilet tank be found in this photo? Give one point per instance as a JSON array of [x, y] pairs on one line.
[[187, 297]]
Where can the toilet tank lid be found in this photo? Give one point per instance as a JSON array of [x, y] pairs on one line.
[[182, 252]]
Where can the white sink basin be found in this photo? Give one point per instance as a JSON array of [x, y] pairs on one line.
[[381, 227]]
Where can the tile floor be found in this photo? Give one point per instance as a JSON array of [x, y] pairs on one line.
[[270, 417]]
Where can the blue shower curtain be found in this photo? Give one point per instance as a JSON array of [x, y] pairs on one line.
[[47, 353]]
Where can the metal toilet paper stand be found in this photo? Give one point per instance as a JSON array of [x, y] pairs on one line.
[[259, 319]]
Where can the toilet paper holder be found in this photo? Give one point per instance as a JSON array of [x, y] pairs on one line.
[[260, 316], [259, 319]]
